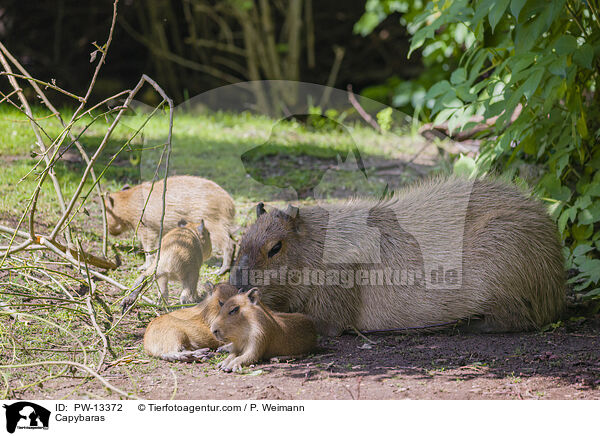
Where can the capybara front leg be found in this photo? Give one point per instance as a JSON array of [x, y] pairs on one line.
[[189, 294], [149, 240], [163, 289], [228, 252]]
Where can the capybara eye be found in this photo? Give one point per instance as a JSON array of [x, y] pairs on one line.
[[221, 303], [275, 249], [234, 310]]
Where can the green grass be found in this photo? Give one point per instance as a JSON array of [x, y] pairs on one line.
[[211, 146]]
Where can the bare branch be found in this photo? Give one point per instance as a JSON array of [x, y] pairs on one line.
[[365, 116], [46, 84]]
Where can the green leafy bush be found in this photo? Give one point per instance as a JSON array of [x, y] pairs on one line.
[[533, 64], [439, 58]]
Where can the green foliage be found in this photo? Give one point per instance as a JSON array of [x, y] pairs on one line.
[[533, 64], [384, 118], [465, 166], [439, 58], [329, 121]]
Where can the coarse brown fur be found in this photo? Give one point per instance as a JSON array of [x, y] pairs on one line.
[[256, 333], [512, 266], [188, 198], [173, 335], [183, 250]]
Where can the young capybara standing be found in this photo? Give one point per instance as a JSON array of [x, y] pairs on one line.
[[256, 333], [444, 250], [176, 335], [183, 250], [188, 198]]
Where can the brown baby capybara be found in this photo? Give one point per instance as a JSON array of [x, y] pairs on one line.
[[188, 198], [256, 333], [183, 250], [177, 335], [443, 250]]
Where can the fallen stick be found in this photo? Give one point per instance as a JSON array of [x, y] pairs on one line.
[[81, 256]]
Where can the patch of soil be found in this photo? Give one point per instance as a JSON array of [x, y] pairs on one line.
[[563, 364]]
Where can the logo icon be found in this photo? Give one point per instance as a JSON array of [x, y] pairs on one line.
[[26, 415]]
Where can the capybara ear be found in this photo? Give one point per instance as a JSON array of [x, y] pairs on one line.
[[125, 187], [182, 223], [111, 201], [260, 209], [253, 295], [290, 215], [291, 211], [201, 227]]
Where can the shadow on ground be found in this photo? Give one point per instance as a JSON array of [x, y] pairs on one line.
[[570, 353], [563, 364]]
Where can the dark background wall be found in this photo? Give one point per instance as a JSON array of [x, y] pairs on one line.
[[53, 39]]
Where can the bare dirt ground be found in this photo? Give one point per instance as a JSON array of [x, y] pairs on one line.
[[563, 364]]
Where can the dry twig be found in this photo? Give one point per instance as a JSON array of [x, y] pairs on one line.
[[21, 257]]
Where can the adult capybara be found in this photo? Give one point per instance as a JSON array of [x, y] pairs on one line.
[[188, 198], [442, 250]]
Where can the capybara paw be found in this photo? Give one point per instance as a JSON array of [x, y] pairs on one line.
[[201, 353], [227, 366], [188, 299], [224, 366], [234, 365]]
